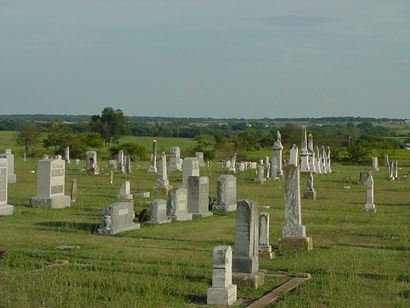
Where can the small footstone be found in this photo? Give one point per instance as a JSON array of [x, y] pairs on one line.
[[296, 243]]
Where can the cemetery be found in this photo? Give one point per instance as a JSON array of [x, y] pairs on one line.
[[146, 234]]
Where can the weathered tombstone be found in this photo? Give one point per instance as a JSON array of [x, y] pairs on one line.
[[293, 232], [363, 176], [121, 161], [198, 196], [58, 157], [11, 177], [386, 160], [318, 160], [162, 175], [266, 164], [241, 167], [125, 191], [233, 164], [228, 164], [5, 209], [304, 153], [312, 156], [67, 155], [200, 157], [190, 167], [396, 170], [77, 161], [112, 163], [260, 174], [375, 164], [310, 192], [174, 162], [24, 156], [324, 159], [111, 177], [91, 163], [265, 249], [222, 292], [293, 155], [369, 205], [245, 265], [254, 165], [50, 185], [128, 164], [225, 193], [153, 166], [118, 217], [159, 212], [277, 169], [177, 205], [73, 195], [328, 162]]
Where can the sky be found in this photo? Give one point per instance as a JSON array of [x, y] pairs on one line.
[[206, 58]]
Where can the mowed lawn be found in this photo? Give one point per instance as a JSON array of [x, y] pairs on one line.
[[359, 259]]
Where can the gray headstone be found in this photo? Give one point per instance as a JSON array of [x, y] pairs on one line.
[[177, 205], [118, 217], [5, 209], [190, 167], [198, 196], [226, 193], [159, 212]]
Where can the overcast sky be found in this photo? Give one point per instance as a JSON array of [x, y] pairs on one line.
[[206, 58]]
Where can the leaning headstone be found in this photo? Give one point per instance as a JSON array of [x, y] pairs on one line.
[[177, 205], [222, 292], [190, 167], [118, 217], [158, 212], [277, 169], [369, 205], [245, 265], [265, 249], [200, 157], [310, 192], [174, 161], [73, 195], [293, 232], [5, 209], [198, 196], [304, 153], [375, 164], [11, 178], [50, 185], [226, 193], [91, 163], [153, 166], [125, 191]]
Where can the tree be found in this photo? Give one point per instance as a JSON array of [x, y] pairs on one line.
[[111, 125], [27, 136]]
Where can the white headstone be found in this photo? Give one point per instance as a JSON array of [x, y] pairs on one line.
[[304, 153], [125, 191], [189, 168], [91, 163], [369, 205], [153, 166], [11, 178], [5, 209]]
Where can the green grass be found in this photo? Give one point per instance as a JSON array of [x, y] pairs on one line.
[[359, 259]]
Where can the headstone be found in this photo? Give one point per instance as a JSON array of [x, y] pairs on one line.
[[318, 160], [228, 164], [254, 165], [293, 232], [241, 167], [118, 217], [363, 176], [328, 162], [153, 166], [67, 155], [222, 292], [121, 161], [50, 185], [198, 196], [375, 164], [245, 263], [200, 157], [304, 153], [386, 160], [265, 249], [189, 168], [310, 192], [226, 193], [277, 169], [293, 156], [91, 163], [369, 205], [24, 156], [174, 162], [159, 212], [73, 195], [233, 164], [312, 156], [111, 177], [128, 164], [5, 209], [324, 160], [112, 163], [260, 174], [177, 206], [162, 175], [11, 178], [125, 191], [266, 164], [396, 170], [59, 157], [77, 161]]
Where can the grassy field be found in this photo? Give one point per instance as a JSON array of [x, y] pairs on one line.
[[359, 259]]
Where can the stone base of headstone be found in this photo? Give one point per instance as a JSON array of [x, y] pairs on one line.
[[160, 222], [152, 169], [224, 208], [203, 214], [58, 202], [370, 207], [265, 252], [134, 226], [11, 179], [222, 296], [248, 280], [6, 210], [296, 243], [309, 194], [181, 217], [94, 171], [127, 196], [145, 194]]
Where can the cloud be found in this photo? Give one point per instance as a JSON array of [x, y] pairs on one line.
[[293, 20]]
